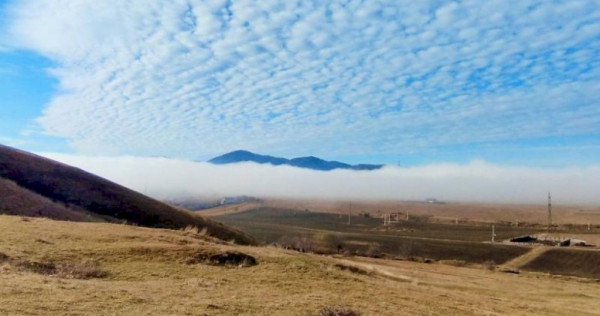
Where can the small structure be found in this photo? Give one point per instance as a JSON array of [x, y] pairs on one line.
[[528, 239], [574, 243], [568, 242], [391, 218], [433, 201]]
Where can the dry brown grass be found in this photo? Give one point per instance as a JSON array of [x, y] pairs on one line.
[[146, 274]]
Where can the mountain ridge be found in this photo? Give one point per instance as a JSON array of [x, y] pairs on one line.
[[308, 162]]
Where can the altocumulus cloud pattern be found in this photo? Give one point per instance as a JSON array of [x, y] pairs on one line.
[[164, 77]]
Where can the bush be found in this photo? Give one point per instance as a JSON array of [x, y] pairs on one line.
[[374, 251]]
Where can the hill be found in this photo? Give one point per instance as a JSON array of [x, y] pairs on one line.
[[15, 200], [35, 186], [309, 162], [57, 268]]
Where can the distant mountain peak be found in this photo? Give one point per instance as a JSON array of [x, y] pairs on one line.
[[308, 162]]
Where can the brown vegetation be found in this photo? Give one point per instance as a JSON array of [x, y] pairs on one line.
[[71, 190], [146, 273], [15, 200]]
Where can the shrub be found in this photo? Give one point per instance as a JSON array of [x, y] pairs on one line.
[[337, 311], [374, 251]]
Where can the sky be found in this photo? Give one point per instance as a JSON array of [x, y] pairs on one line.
[[406, 83]]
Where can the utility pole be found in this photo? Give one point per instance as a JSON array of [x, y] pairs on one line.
[[349, 211], [549, 211]]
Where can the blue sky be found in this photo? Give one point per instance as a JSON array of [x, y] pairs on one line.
[[400, 82]]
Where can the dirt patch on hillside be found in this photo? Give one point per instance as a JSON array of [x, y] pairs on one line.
[[353, 269], [227, 258], [66, 269]]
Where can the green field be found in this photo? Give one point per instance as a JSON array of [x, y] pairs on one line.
[[415, 238]]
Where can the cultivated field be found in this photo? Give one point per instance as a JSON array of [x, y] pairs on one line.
[[418, 238], [449, 212], [56, 268]]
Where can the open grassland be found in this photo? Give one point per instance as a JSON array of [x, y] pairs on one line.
[[108, 269]]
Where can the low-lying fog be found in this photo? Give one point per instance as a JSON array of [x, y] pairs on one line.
[[477, 181]]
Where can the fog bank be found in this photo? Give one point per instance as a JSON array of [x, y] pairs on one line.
[[477, 181]]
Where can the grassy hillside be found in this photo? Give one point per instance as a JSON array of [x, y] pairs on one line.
[[78, 190], [57, 268], [15, 200]]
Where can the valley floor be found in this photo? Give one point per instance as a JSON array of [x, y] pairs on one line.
[[53, 267]]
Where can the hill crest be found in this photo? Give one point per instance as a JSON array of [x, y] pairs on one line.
[[309, 162]]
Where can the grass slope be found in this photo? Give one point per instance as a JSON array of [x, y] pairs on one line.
[[15, 200], [69, 186], [110, 269]]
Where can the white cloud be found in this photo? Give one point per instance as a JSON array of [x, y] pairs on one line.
[[476, 181], [188, 78]]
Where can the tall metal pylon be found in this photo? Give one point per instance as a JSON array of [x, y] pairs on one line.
[[549, 211]]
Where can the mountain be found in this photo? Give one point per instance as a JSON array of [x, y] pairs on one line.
[[31, 185], [300, 162], [243, 155]]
